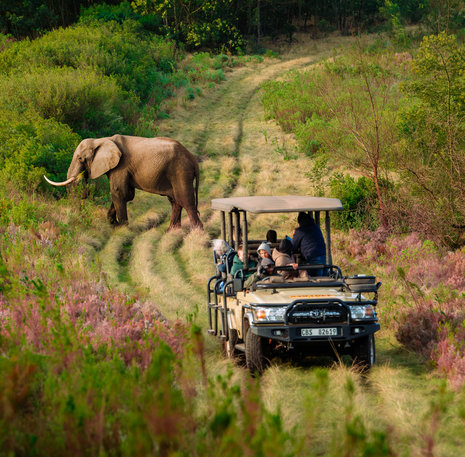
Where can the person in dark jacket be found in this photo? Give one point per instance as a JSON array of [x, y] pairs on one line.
[[309, 240]]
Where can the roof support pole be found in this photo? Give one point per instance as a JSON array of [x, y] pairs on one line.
[[230, 229], [223, 226], [329, 259], [317, 218], [237, 229], [245, 237]]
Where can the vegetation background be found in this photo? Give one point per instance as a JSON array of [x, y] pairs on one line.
[[102, 352]]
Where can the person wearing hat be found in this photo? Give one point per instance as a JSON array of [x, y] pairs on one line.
[[264, 270], [264, 251]]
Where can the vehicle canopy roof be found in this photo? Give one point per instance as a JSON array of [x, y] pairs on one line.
[[277, 204]]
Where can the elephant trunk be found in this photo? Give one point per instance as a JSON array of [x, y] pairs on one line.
[[64, 183]]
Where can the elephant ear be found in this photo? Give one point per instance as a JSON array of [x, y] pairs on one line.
[[107, 156]]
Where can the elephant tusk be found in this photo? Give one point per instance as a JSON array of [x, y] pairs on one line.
[[64, 183]]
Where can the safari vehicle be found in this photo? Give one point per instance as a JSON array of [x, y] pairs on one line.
[[330, 315]]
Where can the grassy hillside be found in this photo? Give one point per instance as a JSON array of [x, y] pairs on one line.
[[103, 331]]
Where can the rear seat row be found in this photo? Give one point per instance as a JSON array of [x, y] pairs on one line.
[[252, 247]]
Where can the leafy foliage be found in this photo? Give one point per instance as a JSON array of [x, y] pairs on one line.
[[357, 197], [432, 126], [31, 146], [199, 24], [347, 108]]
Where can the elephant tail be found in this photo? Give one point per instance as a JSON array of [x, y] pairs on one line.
[[197, 182]]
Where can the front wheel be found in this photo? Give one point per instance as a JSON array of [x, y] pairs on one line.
[[254, 354], [364, 352], [229, 347]]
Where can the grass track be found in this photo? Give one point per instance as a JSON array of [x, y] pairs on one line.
[[242, 154]]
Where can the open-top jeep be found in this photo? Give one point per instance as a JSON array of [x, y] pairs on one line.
[[324, 315]]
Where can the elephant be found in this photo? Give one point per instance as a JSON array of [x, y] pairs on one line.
[[158, 165]]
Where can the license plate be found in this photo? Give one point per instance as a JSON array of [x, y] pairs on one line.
[[319, 331]]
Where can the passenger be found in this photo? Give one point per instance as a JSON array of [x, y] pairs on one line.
[[265, 270], [220, 247], [309, 240], [222, 250], [238, 263], [271, 237], [282, 257], [264, 251]]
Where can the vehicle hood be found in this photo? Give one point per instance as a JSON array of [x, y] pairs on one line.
[[287, 296]]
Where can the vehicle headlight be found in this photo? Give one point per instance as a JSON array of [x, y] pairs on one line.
[[362, 312], [270, 314]]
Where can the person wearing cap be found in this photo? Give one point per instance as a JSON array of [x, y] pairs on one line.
[[264, 251], [309, 240], [264, 270]]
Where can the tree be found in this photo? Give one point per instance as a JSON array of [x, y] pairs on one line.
[[198, 23], [360, 99], [432, 124]]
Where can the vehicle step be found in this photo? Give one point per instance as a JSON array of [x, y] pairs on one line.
[[211, 332], [240, 347]]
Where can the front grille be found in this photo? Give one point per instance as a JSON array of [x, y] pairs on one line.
[[318, 313]]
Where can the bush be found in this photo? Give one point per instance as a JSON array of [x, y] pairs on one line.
[[308, 135], [291, 103], [30, 147], [89, 103], [119, 13], [436, 330], [358, 197], [123, 51], [219, 35]]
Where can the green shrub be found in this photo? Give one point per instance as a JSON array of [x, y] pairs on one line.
[[31, 146], [358, 197], [120, 13], [20, 212], [218, 35], [87, 101], [123, 51], [290, 102], [307, 135]]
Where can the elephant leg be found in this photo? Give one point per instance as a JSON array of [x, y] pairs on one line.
[[194, 217], [121, 193], [175, 214], [184, 194], [121, 212], [112, 214]]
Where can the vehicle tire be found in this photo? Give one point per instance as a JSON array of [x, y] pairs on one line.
[[229, 347], [254, 355], [364, 352]]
